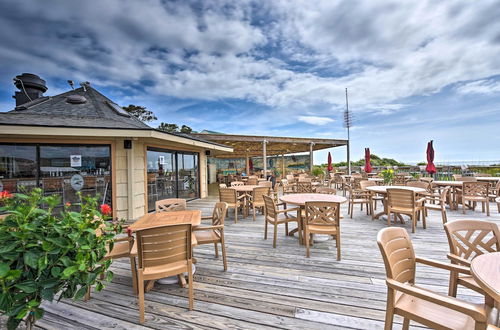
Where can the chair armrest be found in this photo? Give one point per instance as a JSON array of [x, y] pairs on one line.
[[206, 217], [124, 239], [198, 228], [243, 196], [421, 200], [460, 260], [289, 210], [443, 265], [477, 313]]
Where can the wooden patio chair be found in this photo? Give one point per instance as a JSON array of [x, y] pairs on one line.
[[252, 181], [404, 201], [373, 197], [415, 303], [273, 216], [358, 196], [468, 239], [495, 192], [304, 187], [322, 218], [475, 192], [497, 200], [256, 200], [399, 180], [230, 196], [214, 233], [287, 187], [438, 203], [237, 183], [222, 185], [170, 204], [268, 184], [326, 190], [162, 252]]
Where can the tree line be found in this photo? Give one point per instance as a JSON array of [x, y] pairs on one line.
[[146, 116]]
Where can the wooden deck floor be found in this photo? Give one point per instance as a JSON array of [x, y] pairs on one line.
[[266, 287]]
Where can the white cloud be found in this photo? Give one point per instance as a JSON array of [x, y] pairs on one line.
[[480, 87], [315, 120]]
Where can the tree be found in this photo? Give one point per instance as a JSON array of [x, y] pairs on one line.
[[186, 129], [170, 128], [140, 113]]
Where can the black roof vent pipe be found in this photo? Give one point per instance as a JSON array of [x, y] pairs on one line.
[[31, 87]]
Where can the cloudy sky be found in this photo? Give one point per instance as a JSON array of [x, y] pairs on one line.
[[415, 70]]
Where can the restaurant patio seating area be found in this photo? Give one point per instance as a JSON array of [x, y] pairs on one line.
[[266, 287]]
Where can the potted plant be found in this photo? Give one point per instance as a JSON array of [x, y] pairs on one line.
[[46, 254], [388, 176], [191, 183]]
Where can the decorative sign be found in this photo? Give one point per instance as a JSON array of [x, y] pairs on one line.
[[77, 182], [161, 160], [76, 160]]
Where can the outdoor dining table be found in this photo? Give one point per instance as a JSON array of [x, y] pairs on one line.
[[454, 185], [300, 200], [488, 178], [158, 219], [382, 190], [485, 269]]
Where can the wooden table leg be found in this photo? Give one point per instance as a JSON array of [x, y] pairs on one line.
[[149, 285]]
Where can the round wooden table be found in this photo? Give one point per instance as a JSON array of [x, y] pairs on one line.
[[454, 185], [301, 200], [382, 190], [486, 271]]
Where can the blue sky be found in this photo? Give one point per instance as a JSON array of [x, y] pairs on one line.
[[415, 70]]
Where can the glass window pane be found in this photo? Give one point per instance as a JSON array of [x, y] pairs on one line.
[[188, 175], [18, 167], [162, 176]]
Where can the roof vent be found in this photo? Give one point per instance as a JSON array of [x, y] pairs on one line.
[[31, 87], [76, 99]]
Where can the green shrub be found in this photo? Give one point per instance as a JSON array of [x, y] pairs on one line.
[[318, 170], [44, 255]]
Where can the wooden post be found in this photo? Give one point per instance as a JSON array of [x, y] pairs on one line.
[[283, 166], [248, 164], [311, 158], [264, 158], [130, 182]]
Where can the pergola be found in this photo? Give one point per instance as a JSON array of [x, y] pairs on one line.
[[246, 146]]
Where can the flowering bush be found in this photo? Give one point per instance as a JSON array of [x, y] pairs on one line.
[[388, 176], [44, 254]]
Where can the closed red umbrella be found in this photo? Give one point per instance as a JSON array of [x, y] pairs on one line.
[[431, 169], [250, 164], [368, 166], [330, 167]]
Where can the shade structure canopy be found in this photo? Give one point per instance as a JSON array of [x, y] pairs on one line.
[[430, 168], [251, 145]]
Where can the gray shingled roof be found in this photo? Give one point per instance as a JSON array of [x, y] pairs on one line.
[[55, 111]]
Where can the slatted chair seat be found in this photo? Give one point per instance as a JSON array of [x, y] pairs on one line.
[[166, 271], [323, 229], [206, 236]]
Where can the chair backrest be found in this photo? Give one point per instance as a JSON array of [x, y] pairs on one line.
[[401, 198], [302, 175], [290, 177], [252, 181], [237, 183], [444, 194], [399, 180], [222, 185], [366, 183], [227, 195], [270, 209], [470, 238], [496, 190], [398, 254], [322, 213], [267, 184], [284, 182], [219, 213], [478, 189], [258, 193], [426, 179], [418, 184], [304, 187], [468, 179], [305, 179], [170, 204], [356, 182], [326, 190], [163, 245]]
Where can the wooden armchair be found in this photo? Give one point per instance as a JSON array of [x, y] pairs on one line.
[[256, 200], [468, 239], [322, 218], [170, 204], [230, 196], [495, 192], [412, 302], [287, 187], [214, 233], [304, 187], [437, 202], [476, 192], [373, 197], [272, 216], [358, 196], [404, 201], [222, 185], [399, 180], [162, 252]]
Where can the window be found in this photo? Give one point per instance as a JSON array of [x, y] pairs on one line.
[[59, 169], [171, 174]]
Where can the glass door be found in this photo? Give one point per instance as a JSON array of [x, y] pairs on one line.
[[161, 176], [188, 175]]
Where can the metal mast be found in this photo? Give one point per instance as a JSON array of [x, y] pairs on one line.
[[347, 124]]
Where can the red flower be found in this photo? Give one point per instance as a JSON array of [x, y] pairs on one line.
[[68, 204], [5, 194], [106, 209]]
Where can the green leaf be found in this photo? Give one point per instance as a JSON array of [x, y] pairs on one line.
[[13, 274], [4, 269], [33, 303], [55, 271], [39, 313], [47, 294], [81, 292], [70, 271], [5, 300], [13, 323], [27, 286], [9, 247], [31, 259]]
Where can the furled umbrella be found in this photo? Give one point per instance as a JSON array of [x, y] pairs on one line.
[[431, 169], [250, 164], [330, 167], [368, 166]]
